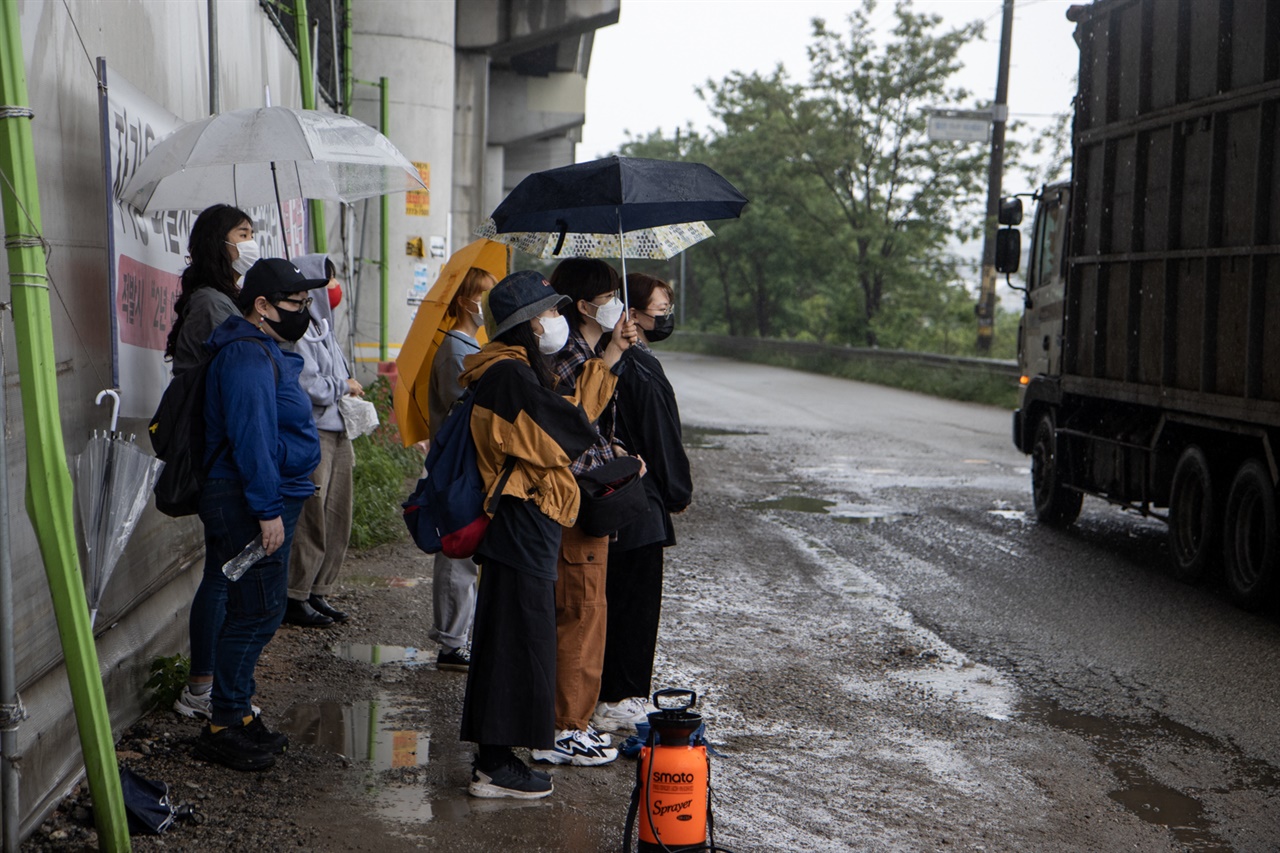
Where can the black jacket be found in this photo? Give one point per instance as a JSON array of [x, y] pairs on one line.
[[648, 424]]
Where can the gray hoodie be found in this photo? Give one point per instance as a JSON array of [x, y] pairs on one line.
[[324, 371]]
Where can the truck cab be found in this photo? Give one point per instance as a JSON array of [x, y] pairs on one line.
[[1040, 331]]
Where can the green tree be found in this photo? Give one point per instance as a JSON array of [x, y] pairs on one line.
[[855, 214]]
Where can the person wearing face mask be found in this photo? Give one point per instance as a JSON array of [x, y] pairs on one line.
[[649, 425], [526, 433], [324, 528], [221, 248], [261, 447], [593, 313], [453, 581]]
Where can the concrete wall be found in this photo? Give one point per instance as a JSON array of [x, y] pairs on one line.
[[411, 44]]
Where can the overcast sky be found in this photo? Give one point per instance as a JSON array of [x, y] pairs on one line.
[[645, 67]]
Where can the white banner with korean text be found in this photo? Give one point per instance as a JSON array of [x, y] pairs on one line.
[[147, 252]]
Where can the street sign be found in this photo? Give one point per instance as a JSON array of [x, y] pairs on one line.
[[959, 129]]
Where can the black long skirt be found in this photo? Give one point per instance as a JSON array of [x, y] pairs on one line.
[[510, 698]]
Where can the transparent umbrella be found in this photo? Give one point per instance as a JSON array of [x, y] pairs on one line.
[[260, 156], [114, 478]]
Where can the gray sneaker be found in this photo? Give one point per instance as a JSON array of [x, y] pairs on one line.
[[195, 705], [199, 705]]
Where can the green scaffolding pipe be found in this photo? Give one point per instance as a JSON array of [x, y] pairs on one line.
[[384, 253], [302, 33], [49, 492]]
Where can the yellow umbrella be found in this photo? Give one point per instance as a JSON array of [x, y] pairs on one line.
[[413, 365]]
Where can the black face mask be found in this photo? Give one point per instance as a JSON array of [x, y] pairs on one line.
[[662, 328], [292, 325]]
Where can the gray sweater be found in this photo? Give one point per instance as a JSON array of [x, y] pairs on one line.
[[204, 312], [445, 369]]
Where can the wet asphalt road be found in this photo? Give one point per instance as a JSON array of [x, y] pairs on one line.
[[892, 656], [1117, 706]]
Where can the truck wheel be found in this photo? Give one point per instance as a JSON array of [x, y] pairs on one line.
[[1250, 540], [1193, 517], [1056, 505]]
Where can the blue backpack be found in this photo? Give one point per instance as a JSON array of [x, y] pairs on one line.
[[446, 512]]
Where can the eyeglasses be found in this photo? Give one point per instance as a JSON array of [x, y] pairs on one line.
[[304, 303], [667, 312]]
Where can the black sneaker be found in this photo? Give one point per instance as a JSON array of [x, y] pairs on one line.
[[233, 747], [455, 660], [513, 779], [274, 742]]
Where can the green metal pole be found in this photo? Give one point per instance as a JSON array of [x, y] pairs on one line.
[[384, 254], [49, 493], [302, 34]]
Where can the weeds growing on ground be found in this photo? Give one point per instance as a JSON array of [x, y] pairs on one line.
[[168, 676], [384, 473]]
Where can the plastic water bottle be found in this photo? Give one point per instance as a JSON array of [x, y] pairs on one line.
[[240, 563]]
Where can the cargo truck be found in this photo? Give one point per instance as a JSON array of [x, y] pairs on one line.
[[1150, 340]]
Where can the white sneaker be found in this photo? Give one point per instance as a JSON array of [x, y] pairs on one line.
[[194, 704], [598, 736], [199, 704], [620, 716], [574, 746]]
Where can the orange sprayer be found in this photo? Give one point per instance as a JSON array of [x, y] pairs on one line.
[[673, 779]]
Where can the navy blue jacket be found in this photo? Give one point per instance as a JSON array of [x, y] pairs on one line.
[[263, 414]]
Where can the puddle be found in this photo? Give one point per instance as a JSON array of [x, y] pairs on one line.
[[794, 503], [379, 654], [845, 513], [373, 734], [704, 438], [360, 731], [379, 582], [1122, 746]]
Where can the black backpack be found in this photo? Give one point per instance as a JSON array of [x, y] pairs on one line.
[[177, 436]]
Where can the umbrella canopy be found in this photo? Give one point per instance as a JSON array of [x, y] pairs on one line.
[[617, 194], [658, 243], [258, 156], [413, 365], [114, 480]]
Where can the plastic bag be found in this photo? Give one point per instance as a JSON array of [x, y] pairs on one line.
[[358, 416]]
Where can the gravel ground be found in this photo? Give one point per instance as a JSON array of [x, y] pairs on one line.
[[387, 591]]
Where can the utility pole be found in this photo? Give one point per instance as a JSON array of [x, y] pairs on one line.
[[986, 307]]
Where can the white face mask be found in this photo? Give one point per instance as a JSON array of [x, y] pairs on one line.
[[555, 333], [478, 314], [608, 314], [249, 255]]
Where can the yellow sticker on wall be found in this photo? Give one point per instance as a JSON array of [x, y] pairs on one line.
[[418, 202]]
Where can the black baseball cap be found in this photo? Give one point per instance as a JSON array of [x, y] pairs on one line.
[[519, 297], [271, 276]]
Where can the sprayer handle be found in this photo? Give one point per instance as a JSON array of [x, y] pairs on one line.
[[675, 692]]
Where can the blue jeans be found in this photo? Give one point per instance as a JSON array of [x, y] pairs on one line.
[[254, 605]]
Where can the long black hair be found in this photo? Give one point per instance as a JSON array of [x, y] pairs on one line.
[[208, 262], [521, 335], [583, 278]]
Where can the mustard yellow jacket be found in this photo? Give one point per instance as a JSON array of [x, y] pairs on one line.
[[515, 416]]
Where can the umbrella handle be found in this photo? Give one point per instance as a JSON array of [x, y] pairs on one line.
[[115, 405]]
